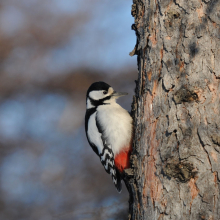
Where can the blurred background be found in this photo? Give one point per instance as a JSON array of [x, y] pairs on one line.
[[51, 51]]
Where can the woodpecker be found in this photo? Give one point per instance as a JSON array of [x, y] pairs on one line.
[[108, 129]]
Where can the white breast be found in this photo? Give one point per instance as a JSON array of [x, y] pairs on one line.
[[117, 124]]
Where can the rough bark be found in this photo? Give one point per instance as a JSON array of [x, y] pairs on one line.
[[176, 156]]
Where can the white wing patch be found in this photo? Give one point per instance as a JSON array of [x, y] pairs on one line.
[[105, 151], [93, 133]]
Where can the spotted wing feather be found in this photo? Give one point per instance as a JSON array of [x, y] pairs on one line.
[[107, 159]]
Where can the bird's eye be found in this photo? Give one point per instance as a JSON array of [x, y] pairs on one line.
[[105, 92]]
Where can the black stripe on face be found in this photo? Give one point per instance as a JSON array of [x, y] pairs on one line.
[[100, 101]]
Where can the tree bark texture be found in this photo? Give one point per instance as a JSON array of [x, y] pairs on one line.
[[176, 156]]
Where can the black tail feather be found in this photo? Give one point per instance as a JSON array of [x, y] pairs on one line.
[[118, 185], [107, 160]]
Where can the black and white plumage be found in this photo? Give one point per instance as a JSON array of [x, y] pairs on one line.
[[108, 127]]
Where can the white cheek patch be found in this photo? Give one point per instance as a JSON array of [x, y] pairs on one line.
[[96, 95]]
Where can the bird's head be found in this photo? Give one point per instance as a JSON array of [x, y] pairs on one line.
[[100, 93]]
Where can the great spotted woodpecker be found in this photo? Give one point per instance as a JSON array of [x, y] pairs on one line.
[[108, 129]]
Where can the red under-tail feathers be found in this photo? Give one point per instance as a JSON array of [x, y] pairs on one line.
[[122, 160]]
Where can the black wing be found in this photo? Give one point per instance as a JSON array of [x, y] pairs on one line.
[[107, 158]]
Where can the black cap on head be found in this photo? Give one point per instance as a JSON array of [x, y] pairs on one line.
[[98, 86]]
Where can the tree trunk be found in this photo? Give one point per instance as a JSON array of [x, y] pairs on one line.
[[176, 156]]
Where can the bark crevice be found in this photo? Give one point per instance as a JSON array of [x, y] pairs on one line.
[[176, 138]]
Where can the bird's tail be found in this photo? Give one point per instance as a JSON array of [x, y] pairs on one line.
[[117, 181], [107, 160]]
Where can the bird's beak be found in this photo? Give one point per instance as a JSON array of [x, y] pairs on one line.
[[119, 94]]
